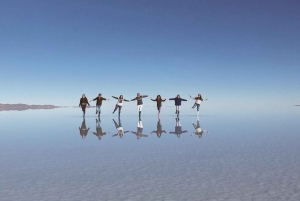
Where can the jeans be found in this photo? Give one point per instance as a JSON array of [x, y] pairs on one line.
[[98, 108], [198, 106]]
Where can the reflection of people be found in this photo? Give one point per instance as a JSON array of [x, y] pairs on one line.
[[198, 101], [119, 128], [99, 100], [159, 129], [198, 129], [139, 100], [83, 130], [119, 103], [139, 132], [178, 130], [99, 132], [83, 102], [177, 103], [158, 102]]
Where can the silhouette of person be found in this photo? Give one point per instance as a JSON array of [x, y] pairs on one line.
[[178, 130], [198, 101], [198, 129], [119, 128], [83, 102], [139, 132], [159, 130], [83, 131], [99, 132], [139, 100], [158, 103]]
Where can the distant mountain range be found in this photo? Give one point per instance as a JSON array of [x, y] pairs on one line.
[[25, 107]]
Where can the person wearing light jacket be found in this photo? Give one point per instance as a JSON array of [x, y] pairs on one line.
[[139, 100], [119, 103], [198, 101], [177, 103]]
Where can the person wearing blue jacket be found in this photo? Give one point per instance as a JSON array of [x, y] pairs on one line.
[[177, 103]]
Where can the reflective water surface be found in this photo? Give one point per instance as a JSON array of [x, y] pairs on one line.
[[59, 155]]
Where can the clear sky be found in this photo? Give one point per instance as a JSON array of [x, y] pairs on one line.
[[233, 52]]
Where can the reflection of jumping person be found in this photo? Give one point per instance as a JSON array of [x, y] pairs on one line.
[[177, 103], [139, 102], [119, 128], [159, 129], [83, 102], [158, 102], [139, 132], [119, 103], [198, 101], [198, 129], [178, 130], [99, 132], [99, 103], [83, 130]]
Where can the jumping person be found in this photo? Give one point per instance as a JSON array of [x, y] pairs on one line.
[[119, 103], [83, 102], [119, 128], [198, 101], [158, 102], [178, 130], [177, 103], [99, 103], [139, 100]]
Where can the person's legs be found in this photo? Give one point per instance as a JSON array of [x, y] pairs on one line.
[[116, 123], [98, 108], [120, 108], [83, 109], [115, 108], [194, 105], [178, 108]]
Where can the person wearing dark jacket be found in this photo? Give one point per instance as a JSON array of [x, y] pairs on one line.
[[158, 102], [83, 102], [99, 100], [119, 103], [177, 103], [139, 100]]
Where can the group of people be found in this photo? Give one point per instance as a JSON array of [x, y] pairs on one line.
[[139, 133], [139, 98]]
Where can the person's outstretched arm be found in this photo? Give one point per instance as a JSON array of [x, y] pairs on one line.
[[88, 102], [126, 100], [163, 100], [153, 99], [144, 96], [115, 97], [192, 97], [134, 99], [183, 99], [171, 98]]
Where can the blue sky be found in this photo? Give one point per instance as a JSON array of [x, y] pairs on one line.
[[233, 52]]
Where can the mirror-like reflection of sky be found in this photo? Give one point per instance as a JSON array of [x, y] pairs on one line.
[[57, 155]]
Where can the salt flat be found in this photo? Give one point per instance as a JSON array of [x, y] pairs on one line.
[[242, 157]]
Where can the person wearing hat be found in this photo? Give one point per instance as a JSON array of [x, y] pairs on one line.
[[99, 100], [177, 103]]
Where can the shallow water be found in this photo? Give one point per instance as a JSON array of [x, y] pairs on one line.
[[246, 156]]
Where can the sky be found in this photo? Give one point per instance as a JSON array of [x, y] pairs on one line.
[[232, 52]]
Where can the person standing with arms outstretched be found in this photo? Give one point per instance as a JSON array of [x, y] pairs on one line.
[[158, 102], [119, 103], [99, 100], [83, 102], [177, 103], [139, 100], [198, 101]]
